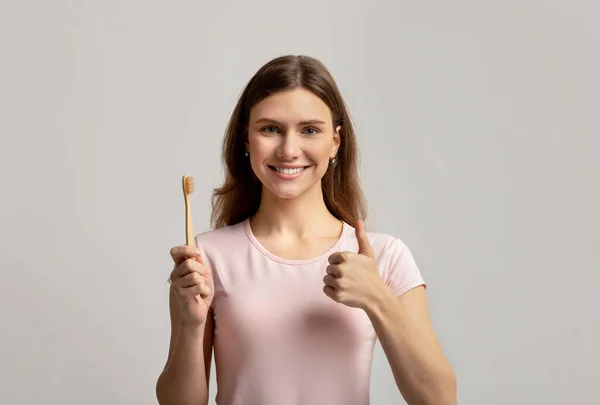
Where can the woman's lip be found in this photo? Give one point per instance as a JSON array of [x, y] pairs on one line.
[[289, 167], [288, 176]]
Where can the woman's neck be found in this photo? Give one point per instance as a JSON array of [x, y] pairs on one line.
[[302, 217]]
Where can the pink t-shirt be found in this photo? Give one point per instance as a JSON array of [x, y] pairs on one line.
[[278, 339]]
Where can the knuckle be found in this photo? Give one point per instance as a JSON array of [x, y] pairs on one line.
[[199, 269], [187, 264], [200, 289]]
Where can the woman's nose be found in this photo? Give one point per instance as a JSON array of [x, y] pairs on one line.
[[289, 148]]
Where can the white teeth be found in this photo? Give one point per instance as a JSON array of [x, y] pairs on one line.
[[289, 171]]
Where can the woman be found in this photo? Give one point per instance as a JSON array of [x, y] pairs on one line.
[[288, 286]]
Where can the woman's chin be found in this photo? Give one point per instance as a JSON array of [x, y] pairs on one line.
[[288, 193]]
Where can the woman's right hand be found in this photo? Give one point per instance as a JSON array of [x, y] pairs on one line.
[[192, 284]]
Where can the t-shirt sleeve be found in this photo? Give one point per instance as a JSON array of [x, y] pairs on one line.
[[403, 273]]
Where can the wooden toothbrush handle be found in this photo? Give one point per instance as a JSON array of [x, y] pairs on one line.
[[189, 228]]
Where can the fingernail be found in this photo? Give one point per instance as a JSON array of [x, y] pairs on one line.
[[198, 253]]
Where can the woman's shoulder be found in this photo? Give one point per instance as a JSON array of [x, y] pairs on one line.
[[225, 237]]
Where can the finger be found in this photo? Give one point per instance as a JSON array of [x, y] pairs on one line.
[[187, 294], [330, 281], [189, 266], [364, 246], [180, 253], [334, 270], [190, 280], [204, 290], [330, 292], [183, 271], [339, 257]]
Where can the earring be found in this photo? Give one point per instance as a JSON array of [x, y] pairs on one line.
[[246, 154], [331, 161]]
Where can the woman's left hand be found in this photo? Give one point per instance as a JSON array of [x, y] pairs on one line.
[[353, 279]]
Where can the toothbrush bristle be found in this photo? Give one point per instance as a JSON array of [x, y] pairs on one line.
[[188, 184]]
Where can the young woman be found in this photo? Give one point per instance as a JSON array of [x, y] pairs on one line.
[[288, 287]]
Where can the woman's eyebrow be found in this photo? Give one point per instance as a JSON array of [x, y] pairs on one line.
[[312, 122], [309, 122]]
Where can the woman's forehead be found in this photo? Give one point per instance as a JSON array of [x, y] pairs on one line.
[[296, 106]]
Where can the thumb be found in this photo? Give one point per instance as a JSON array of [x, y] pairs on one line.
[[364, 246]]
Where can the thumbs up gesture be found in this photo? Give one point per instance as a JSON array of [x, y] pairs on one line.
[[353, 278]]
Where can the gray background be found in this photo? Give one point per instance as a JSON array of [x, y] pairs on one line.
[[478, 126]]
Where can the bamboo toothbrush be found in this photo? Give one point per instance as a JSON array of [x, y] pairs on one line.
[[188, 188]]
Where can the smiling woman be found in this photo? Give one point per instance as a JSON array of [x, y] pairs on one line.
[[298, 144], [288, 287], [290, 113]]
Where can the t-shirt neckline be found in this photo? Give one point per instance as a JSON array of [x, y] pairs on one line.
[[267, 253]]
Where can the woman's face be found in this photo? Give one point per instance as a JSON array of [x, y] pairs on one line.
[[290, 141]]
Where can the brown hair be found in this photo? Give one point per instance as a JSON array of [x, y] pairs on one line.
[[239, 196]]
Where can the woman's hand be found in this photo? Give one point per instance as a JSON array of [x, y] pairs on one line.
[[353, 279], [192, 284]]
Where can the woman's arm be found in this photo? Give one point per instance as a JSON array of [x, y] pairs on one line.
[[185, 378], [422, 373]]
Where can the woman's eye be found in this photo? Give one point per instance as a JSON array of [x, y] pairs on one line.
[[311, 131], [270, 130]]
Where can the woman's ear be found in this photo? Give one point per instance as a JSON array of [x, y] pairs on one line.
[[337, 140]]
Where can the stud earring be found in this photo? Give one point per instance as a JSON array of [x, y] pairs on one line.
[[331, 161], [246, 154]]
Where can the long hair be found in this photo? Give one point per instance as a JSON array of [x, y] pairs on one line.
[[239, 196]]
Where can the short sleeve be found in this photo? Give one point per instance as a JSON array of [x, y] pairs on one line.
[[403, 273]]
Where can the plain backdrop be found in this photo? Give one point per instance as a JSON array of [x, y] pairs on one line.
[[478, 123]]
